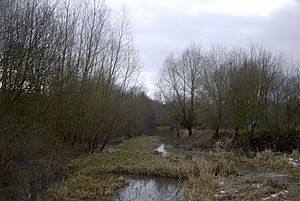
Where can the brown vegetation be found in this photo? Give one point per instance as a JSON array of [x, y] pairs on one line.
[[68, 83], [244, 89], [224, 177]]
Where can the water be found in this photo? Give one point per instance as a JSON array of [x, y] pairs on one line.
[[144, 188], [161, 149], [149, 189], [170, 145]]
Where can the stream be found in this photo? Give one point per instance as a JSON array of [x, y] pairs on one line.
[[143, 188]]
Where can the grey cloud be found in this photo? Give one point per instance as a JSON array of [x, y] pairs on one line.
[[280, 31]]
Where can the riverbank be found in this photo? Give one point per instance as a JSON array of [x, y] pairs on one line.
[[209, 176], [99, 174], [240, 142]]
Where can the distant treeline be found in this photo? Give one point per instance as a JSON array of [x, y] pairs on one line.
[[248, 89], [68, 83]]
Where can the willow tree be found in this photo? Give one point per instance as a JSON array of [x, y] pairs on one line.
[[65, 70], [215, 84], [178, 83], [66, 65]]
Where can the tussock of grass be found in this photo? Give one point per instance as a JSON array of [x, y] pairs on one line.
[[201, 185], [278, 162], [265, 155], [236, 182], [267, 159], [221, 179], [82, 187], [248, 187], [295, 154], [132, 157]]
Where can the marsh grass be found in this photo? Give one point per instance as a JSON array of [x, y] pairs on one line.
[[82, 186], [223, 178], [248, 187], [266, 160], [242, 178], [278, 162], [202, 185], [89, 174]]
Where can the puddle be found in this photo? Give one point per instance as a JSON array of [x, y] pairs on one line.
[[293, 162], [148, 189], [161, 149], [142, 188], [169, 143]]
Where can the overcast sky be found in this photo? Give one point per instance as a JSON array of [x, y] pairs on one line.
[[162, 27]]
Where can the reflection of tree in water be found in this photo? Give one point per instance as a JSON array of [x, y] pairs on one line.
[[151, 189], [167, 137]]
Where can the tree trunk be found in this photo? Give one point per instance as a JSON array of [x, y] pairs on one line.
[[190, 131], [177, 133], [94, 143], [217, 134], [104, 143], [236, 132]]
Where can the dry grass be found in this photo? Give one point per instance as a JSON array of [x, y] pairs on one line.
[[202, 185], [132, 157], [243, 178], [223, 178], [295, 154], [83, 187], [250, 187]]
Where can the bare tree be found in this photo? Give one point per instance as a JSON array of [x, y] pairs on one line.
[[178, 83], [215, 84], [66, 70]]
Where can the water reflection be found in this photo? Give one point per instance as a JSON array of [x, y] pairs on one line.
[[161, 149], [169, 142], [170, 145], [149, 189]]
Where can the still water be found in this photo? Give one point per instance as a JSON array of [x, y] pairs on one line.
[[144, 188], [148, 189]]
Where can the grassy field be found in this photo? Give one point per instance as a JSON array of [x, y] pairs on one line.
[[225, 177]]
